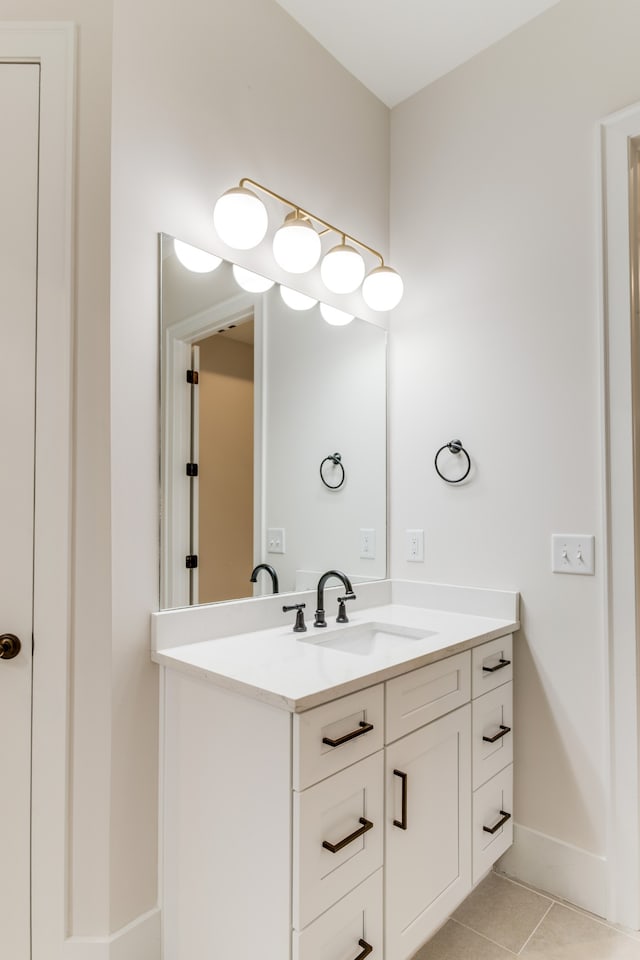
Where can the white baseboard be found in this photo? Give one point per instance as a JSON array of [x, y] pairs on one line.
[[558, 868], [139, 940]]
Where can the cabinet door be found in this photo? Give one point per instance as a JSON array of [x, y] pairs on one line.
[[428, 831]]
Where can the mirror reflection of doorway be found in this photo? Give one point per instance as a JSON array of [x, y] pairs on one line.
[[223, 438]]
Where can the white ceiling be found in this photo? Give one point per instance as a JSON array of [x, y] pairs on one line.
[[397, 47]]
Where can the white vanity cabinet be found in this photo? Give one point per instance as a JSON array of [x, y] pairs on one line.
[[347, 831]]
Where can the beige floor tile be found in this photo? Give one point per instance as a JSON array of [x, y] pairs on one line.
[[503, 911], [565, 934], [454, 942]]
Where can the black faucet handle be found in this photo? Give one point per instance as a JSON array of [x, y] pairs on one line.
[[342, 612], [299, 626]]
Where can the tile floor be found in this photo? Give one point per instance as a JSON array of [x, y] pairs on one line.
[[501, 919]]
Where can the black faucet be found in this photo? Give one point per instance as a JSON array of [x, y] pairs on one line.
[[320, 618], [272, 573]]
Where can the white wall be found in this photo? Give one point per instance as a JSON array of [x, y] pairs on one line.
[[495, 227], [204, 93]]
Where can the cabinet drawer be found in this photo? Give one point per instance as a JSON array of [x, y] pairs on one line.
[[423, 695], [354, 727], [491, 804], [492, 724], [336, 810], [346, 930], [489, 667]]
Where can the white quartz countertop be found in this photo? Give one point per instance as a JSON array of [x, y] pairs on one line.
[[297, 671]]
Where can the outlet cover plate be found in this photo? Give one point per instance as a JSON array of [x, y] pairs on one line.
[[415, 546], [367, 544]]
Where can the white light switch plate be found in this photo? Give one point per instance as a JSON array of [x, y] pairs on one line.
[[275, 540], [573, 553]]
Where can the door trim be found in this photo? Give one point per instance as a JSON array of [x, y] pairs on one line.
[[52, 45], [621, 559], [176, 417]]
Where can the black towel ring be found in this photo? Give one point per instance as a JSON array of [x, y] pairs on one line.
[[454, 446], [336, 460]]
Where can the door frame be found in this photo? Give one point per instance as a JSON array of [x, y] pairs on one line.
[[176, 418], [621, 461], [52, 45]]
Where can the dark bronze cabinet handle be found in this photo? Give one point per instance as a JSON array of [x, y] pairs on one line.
[[335, 847], [500, 666], [366, 949], [502, 733], [363, 728], [501, 822], [402, 823]]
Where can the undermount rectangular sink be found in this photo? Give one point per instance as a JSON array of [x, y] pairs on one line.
[[365, 639]]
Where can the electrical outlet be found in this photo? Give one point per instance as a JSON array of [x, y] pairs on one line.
[[275, 540], [573, 553], [368, 544], [415, 546]]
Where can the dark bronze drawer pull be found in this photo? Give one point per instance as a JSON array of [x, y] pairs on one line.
[[501, 822], [363, 728], [402, 823], [500, 666], [503, 732], [367, 949], [335, 847]]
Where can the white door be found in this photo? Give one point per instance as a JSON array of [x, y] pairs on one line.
[[19, 106]]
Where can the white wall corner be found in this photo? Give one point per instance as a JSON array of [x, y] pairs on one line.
[[139, 940], [564, 871]]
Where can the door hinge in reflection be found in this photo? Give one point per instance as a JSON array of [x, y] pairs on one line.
[[192, 376], [192, 469], [191, 562]]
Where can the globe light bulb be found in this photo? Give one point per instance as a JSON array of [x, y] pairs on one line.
[[342, 269], [198, 261], [295, 299], [337, 318], [382, 289], [240, 218], [250, 281], [296, 245]]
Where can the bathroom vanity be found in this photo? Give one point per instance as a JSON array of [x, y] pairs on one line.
[[334, 794]]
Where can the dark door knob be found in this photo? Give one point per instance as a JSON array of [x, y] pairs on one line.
[[9, 646]]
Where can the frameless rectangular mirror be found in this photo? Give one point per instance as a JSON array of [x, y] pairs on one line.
[[273, 440]]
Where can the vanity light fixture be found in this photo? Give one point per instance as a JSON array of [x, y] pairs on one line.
[[295, 299], [382, 289], [250, 281], [342, 268], [337, 318], [198, 261], [241, 219], [296, 245]]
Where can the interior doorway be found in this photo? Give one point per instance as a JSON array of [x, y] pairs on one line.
[[223, 437]]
